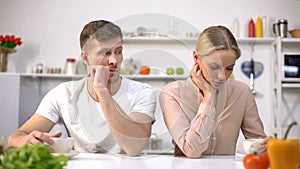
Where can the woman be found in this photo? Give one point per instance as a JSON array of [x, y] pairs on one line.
[[205, 113]]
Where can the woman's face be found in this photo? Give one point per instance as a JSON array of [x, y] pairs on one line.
[[218, 66]]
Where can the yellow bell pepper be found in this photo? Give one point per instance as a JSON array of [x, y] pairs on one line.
[[284, 153]]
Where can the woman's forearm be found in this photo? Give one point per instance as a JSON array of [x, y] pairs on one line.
[[195, 139]]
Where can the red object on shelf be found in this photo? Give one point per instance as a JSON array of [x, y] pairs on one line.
[[251, 29], [71, 59]]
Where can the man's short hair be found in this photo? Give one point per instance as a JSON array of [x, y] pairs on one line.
[[100, 30]]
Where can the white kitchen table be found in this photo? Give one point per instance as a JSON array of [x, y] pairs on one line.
[[112, 161]]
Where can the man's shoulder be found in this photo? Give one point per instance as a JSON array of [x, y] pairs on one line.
[[136, 84], [69, 86]]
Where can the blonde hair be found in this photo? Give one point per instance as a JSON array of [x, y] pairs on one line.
[[216, 38]]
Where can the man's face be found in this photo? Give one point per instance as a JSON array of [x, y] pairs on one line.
[[109, 54]]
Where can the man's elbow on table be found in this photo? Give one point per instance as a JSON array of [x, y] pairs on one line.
[[133, 153], [137, 148]]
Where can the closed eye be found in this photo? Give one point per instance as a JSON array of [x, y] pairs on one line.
[[214, 66], [230, 68]]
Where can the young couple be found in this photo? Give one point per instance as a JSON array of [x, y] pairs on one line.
[[105, 112]]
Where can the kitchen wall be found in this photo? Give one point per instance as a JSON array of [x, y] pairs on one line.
[[50, 31], [50, 28]]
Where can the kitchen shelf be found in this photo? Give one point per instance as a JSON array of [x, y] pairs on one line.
[[8, 73], [156, 77], [135, 40], [159, 40], [133, 77], [284, 107], [63, 76], [41, 77], [260, 41], [291, 85], [290, 40]]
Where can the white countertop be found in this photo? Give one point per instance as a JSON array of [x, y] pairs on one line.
[[112, 161]]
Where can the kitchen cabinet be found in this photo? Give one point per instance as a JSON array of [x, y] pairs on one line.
[[286, 95], [9, 103]]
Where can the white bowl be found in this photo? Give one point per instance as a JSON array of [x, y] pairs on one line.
[[62, 145], [251, 145]]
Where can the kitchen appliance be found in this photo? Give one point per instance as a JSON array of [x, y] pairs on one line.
[[281, 28], [291, 67]]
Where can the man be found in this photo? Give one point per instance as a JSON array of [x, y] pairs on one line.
[[104, 111]]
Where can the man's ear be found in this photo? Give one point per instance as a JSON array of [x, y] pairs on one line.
[[84, 57]]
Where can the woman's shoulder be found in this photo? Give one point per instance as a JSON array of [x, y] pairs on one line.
[[172, 85], [177, 86], [237, 83], [237, 86]]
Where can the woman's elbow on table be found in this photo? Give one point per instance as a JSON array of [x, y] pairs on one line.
[[191, 153]]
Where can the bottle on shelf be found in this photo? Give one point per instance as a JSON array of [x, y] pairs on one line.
[[251, 28], [259, 28], [235, 27], [70, 66], [265, 26]]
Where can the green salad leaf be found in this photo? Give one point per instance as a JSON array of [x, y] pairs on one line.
[[37, 156]]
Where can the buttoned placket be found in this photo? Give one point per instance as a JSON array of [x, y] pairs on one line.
[[213, 144]]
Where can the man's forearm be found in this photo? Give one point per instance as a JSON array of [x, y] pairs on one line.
[[15, 139], [132, 136], [120, 121]]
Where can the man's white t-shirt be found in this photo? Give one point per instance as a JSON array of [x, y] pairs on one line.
[[70, 103]]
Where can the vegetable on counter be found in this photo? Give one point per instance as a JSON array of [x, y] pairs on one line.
[[256, 161], [284, 153], [37, 156]]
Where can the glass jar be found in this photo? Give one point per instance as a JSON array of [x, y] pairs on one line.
[[39, 68], [70, 66]]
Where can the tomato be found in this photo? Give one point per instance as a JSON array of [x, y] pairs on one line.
[[145, 70], [256, 161]]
